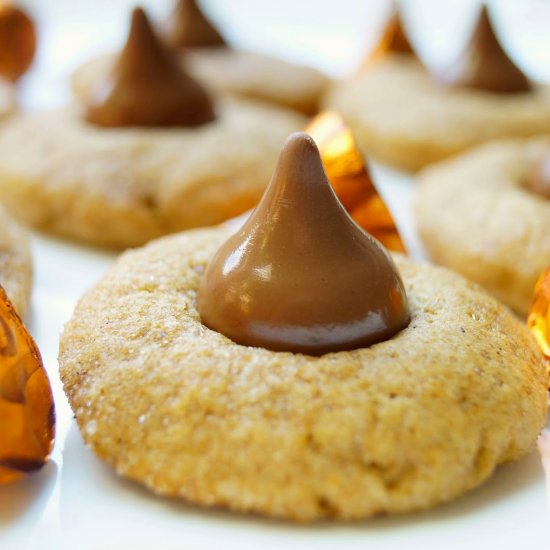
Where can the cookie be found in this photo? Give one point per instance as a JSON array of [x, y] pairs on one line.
[[259, 76], [150, 152], [120, 187], [403, 425], [401, 116], [15, 263], [203, 51], [474, 215], [242, 73]]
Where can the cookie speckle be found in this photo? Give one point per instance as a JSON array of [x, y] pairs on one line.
[[91, 427]]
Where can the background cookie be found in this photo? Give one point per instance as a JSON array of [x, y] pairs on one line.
[[401, 116], [122, 187], [475, 216], [238, 72], [15, 263], [399, 426]]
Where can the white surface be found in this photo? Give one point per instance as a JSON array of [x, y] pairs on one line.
[[78, 503]]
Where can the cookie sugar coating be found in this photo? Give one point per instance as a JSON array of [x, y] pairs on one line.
[[15, 263], [123, 187], [400, 426], [475, 216], [401, 116]]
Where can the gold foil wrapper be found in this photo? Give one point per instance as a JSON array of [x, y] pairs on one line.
[[351, 180], [538, 320]]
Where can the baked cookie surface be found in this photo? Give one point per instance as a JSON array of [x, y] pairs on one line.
[[238, 72], [399, 115], [475, 216], [123, 187], [400, 426], [15, 263]]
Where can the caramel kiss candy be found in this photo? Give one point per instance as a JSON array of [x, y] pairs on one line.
[[188, 27], [484, 65], [27, 415], [538, 180], [147, 87], [393, 39], [17, 41], [300, 275]]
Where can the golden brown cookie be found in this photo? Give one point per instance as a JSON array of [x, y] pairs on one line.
[[401, 116], [260, 76], [238, 72], [400, 426], [123, 187], [15, 263], [475, 216]]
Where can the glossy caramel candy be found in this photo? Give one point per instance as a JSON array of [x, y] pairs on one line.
[[27, 414], [484, 65], [394, 39], [539, 313], [188, 27], [17, 41], [300, 275], [350, 179], [147, 86]]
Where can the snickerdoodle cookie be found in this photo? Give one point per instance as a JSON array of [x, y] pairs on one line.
[[150, 152], [15, 263], [121, 187], [476, 214], [400, 115], [204, 52], [237, 72], [405, 424]]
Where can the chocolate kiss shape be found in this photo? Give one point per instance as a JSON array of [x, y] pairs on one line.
[[394, 39], [188, 27], [398, 41], [484, 64], [538, 179], [300, 275], [147, 87]]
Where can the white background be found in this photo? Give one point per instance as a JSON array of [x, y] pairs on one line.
[[77, 502]]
